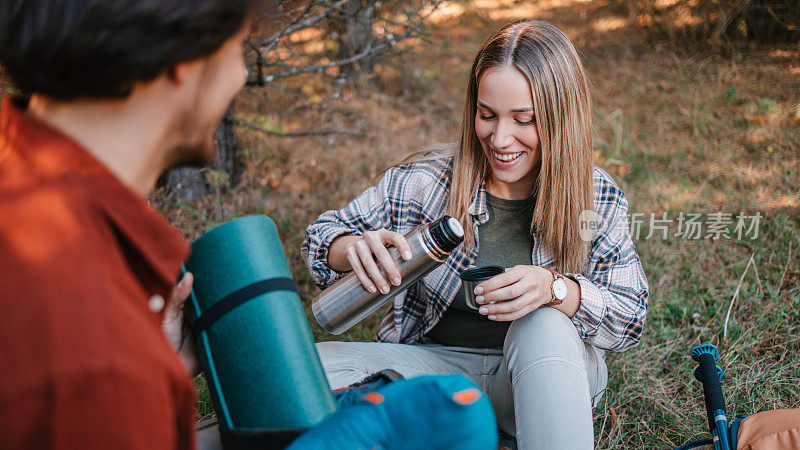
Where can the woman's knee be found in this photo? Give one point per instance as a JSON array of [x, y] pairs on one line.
[[342, 362], [332, 352], [364, 358], [338, 355], [545, 333]]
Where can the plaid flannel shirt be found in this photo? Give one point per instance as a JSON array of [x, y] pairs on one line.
[[614, 289]]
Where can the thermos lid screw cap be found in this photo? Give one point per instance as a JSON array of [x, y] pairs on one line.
[[456, 227], [446, 233]]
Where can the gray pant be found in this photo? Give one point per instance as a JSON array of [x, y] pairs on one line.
[[543, 384]]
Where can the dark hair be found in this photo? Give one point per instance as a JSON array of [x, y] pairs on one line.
[[69, 49]]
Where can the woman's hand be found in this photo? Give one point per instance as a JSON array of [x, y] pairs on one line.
[[366, 255], [514, 293]]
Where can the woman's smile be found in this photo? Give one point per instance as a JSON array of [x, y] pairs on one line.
[[506, 157]]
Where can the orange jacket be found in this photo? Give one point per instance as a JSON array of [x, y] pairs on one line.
[[83, 360]]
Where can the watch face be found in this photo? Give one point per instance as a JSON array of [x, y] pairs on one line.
[[560, 288]]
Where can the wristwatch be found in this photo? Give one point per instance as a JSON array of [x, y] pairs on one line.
[[558, 288]]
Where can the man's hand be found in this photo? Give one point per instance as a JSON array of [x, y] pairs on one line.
[[173, 325]]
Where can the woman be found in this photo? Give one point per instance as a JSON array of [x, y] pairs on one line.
[[522, 179]]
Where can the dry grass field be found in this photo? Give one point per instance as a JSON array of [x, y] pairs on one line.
[[683, 129]]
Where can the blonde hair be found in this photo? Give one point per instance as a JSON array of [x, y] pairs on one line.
[[562, 108]]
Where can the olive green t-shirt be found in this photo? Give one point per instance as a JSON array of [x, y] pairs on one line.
[[504, 240]]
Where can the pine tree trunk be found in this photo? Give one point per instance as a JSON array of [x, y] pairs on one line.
[[227, 146], [354, 34]]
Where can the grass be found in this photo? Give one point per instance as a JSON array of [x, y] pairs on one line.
[[680, 128]]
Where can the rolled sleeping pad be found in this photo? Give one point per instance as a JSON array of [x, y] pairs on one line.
[[252, 335]]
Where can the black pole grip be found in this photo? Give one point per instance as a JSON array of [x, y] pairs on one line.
[[712, 391]]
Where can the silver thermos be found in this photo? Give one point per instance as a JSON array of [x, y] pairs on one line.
[[346, 302]]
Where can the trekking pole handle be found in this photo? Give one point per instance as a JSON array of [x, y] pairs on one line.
[[710, 375]]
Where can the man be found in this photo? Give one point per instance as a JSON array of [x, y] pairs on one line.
[[116, 93]]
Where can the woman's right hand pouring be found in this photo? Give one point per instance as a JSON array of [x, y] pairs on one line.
[[368, 256]]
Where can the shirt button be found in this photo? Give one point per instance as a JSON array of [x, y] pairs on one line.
[[156, 303]]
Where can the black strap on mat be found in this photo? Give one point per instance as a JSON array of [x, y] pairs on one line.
[[236, 298]]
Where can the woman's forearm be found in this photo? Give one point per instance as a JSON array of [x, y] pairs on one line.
[[337, 253]]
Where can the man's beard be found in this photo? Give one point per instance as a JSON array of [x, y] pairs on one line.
[[198, 148], [197, 153]]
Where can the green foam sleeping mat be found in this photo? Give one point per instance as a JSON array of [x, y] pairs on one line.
[[252, 335]]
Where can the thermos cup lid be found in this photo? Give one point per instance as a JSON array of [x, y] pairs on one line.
[[471, 277], [481, 273]]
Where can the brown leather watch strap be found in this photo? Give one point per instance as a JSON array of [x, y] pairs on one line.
[[553, 300]]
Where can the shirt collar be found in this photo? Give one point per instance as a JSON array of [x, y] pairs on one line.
[[54, 155], [478, 208]]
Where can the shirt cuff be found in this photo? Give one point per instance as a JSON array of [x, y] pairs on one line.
[[320, 271], [592, 309]]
